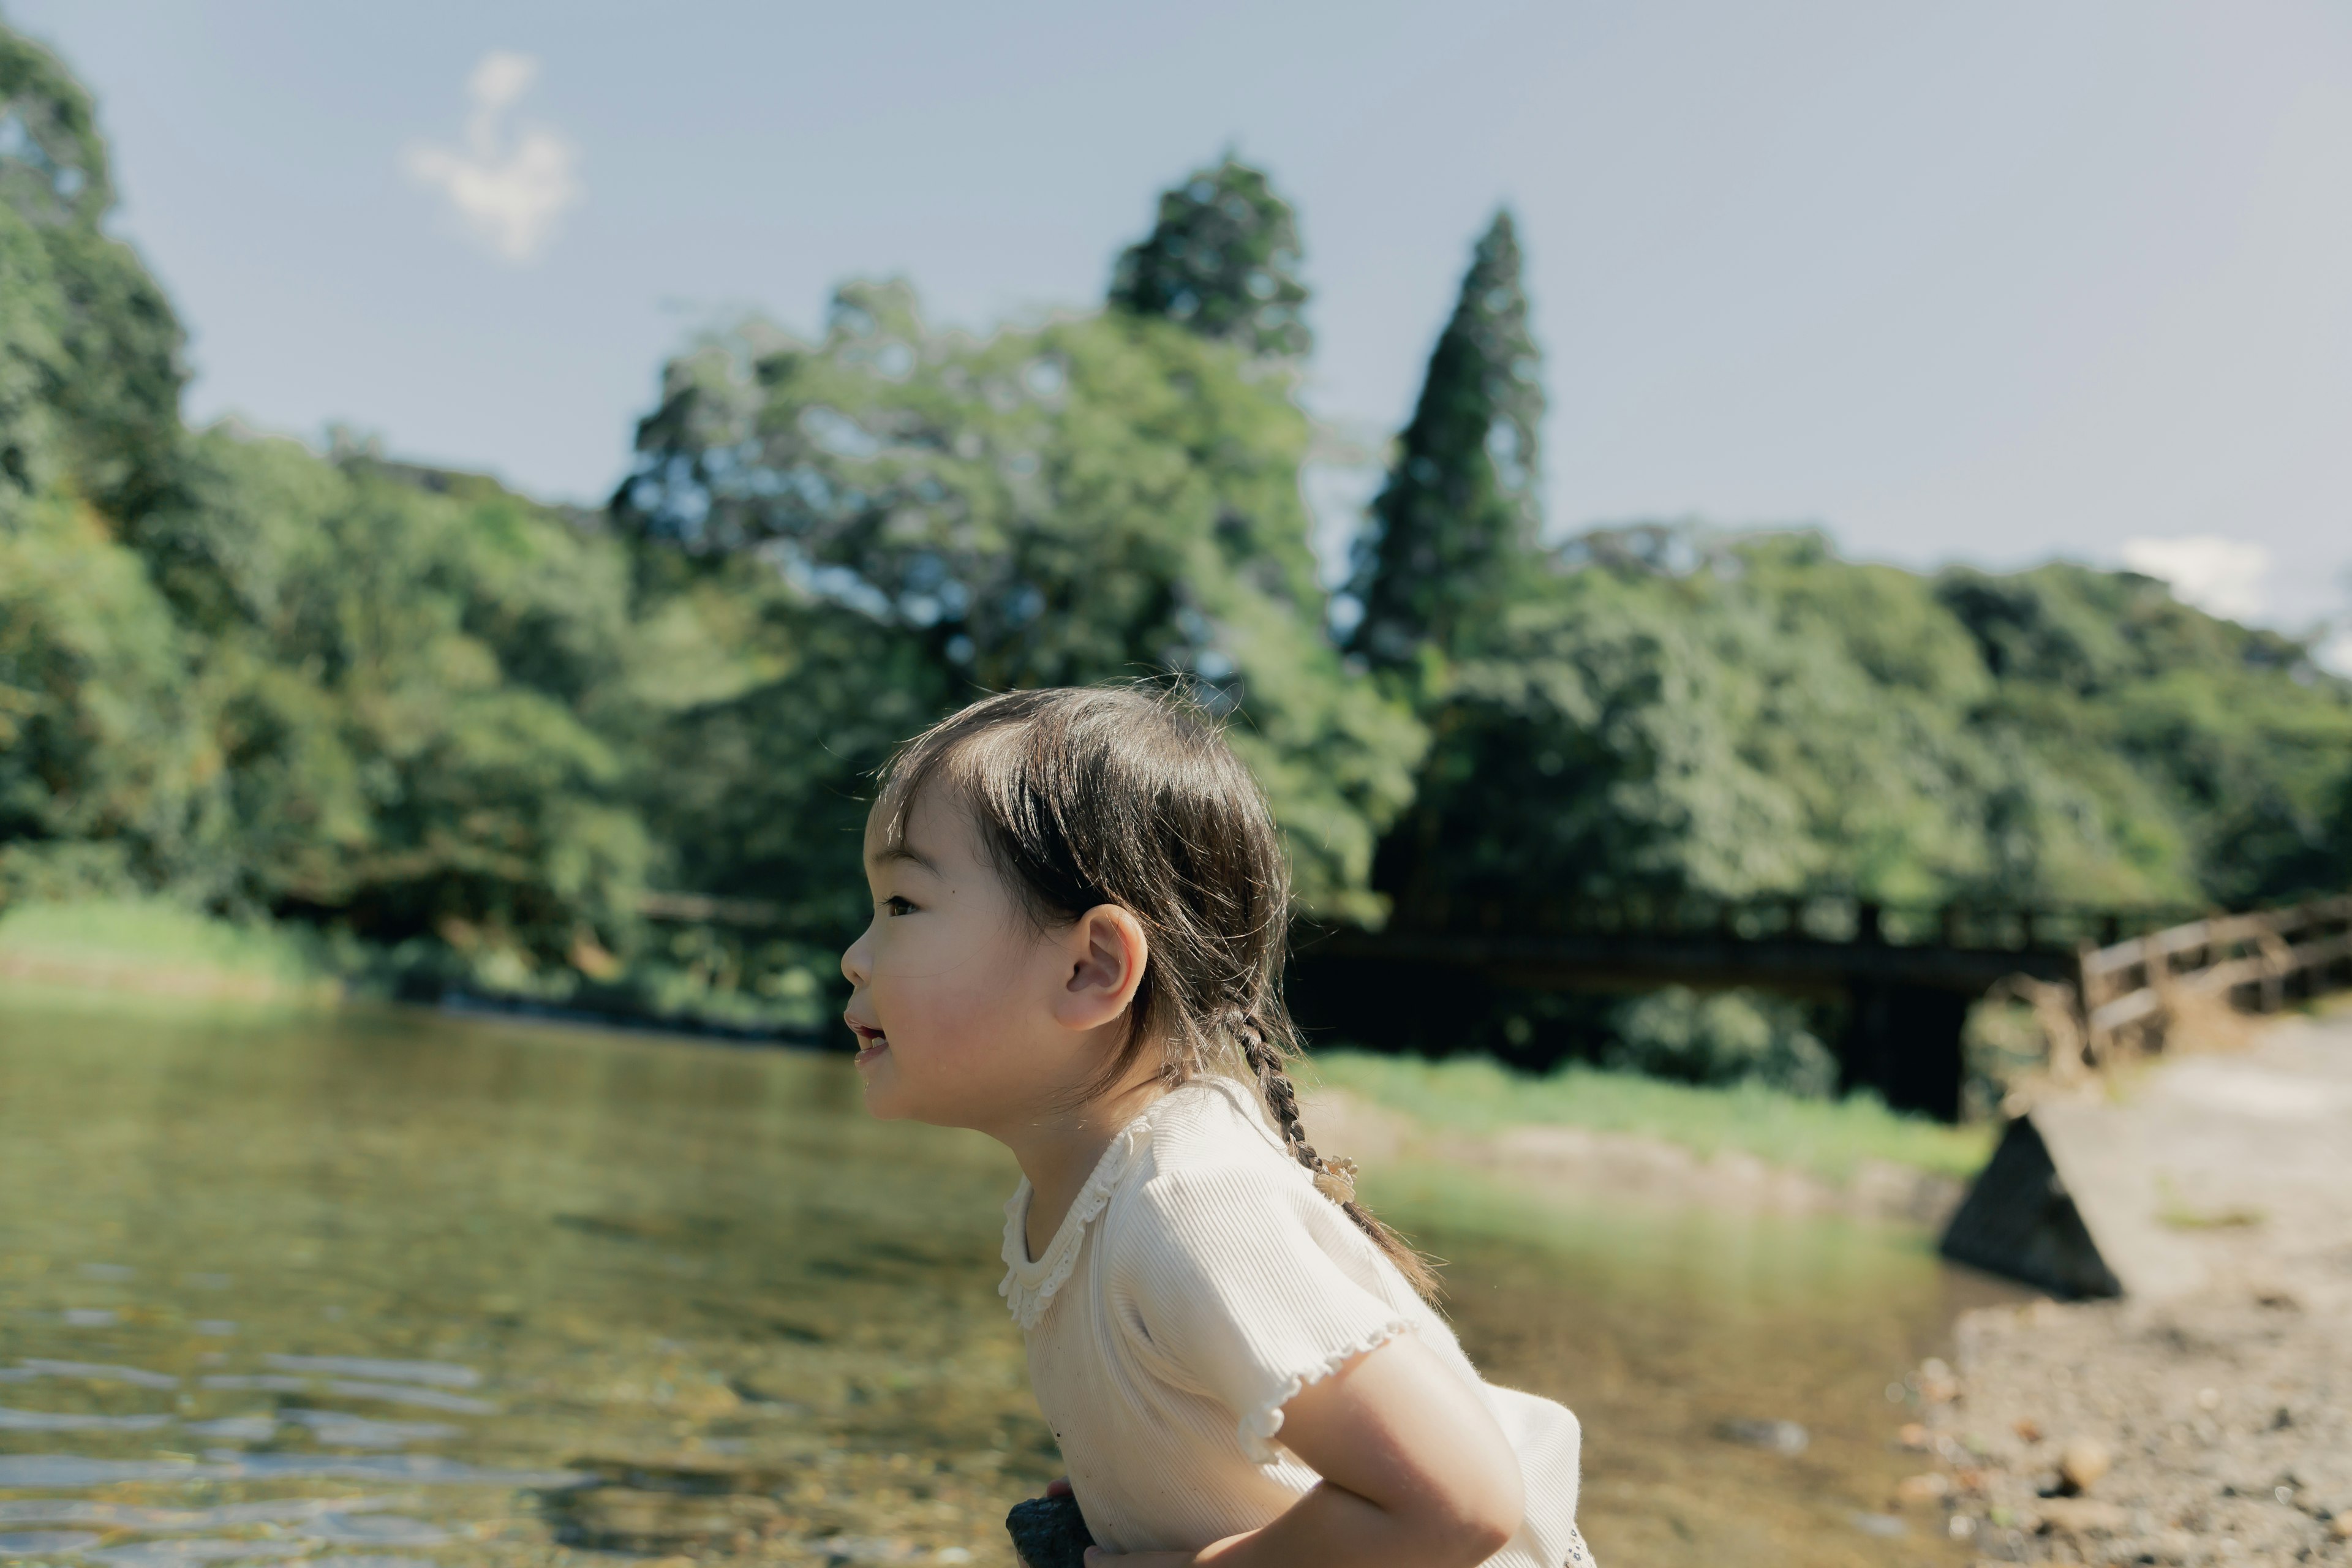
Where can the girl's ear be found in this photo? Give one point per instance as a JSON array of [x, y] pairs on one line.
[[1104, 951]]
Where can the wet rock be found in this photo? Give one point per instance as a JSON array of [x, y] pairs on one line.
[[1777, 1437], [705, 1401], [703, 1475], [1049, 1532], [2082, 1463], [840, 1551], [623, 1519]]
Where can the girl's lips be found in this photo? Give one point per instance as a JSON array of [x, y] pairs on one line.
[[871, 1042]]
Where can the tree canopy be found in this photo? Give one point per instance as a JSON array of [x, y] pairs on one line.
[[1097, 499], [1223, 261], [1452, 533], [543, 751]]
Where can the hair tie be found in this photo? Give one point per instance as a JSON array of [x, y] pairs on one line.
[[1337, 1181]]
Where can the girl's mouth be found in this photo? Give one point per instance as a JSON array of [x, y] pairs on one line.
[[871, 1042]]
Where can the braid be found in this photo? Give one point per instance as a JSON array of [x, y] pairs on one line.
[[1335, 1179]]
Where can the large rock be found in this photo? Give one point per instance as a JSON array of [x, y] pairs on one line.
[[2198, 1169]]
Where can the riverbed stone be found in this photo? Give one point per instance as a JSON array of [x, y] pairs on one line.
[[1777, 1437], [624, 1519], [694, 1474], [1049, 1532], [2081, 1464]]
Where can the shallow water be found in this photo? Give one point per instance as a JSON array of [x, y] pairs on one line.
[[391, 1289]]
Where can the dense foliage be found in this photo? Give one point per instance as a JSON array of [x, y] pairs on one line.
[[1223, 261], [1451, 537], [620, 756]]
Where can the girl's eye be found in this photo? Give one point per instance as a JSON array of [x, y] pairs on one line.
[[896, 905]]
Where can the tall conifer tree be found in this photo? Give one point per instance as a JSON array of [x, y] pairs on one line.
[[1223, 261], [1458, 521]]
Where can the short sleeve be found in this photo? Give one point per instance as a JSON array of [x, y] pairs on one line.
[[1234, 1279]]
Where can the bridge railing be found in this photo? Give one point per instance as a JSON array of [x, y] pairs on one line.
[[1959, 925], [2132, 994]]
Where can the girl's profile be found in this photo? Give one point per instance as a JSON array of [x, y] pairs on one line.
[[1080, 908]]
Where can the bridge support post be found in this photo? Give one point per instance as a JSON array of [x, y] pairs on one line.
[[1904, 1041]]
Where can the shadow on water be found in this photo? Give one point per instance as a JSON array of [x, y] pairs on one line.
[[396, 1286]]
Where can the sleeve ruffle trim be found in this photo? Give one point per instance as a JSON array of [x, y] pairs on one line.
[[1259, 1427]]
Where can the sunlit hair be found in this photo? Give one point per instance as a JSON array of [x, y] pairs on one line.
[[1128, 795]]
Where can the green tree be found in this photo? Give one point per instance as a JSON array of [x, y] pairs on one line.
[[108, 775], [1223, 261], [1094, 499], [112, 378], [404, 683], [1454, 533], [2220, 749]]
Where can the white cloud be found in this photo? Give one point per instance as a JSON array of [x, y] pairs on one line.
[[2220, 576], [510, 182]]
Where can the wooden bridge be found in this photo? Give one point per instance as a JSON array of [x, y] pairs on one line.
[[1908, 974], [2102, 981]]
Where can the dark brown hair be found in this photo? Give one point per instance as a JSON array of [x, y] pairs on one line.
[[1128, 795]]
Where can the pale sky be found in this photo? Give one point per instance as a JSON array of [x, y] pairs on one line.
[[1987, 281]]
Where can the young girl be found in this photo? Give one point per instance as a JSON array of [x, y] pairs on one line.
[[1079, 917]]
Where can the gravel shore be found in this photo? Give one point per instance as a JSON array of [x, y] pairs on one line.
[[2215, 1428]]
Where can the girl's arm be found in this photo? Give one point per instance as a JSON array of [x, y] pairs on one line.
[[1415, 1475]]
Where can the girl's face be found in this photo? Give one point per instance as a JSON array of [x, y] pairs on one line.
[[955, 988]]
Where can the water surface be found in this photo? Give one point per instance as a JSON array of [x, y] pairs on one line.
[[386, 1290]]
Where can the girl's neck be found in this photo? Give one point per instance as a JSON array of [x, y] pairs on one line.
[[1057, 1152]]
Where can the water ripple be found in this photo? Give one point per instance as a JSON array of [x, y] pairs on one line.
[[44, 1542], [72, 1420], [95, 1372], [74, 1472], [447, 1375]]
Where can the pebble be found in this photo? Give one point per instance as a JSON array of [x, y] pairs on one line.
[[2083, 1462], [2161, 1423], [1778, 1437]]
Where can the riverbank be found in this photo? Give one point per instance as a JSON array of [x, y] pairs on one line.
[[1743, 1148], [2212, 1424], [158, 949]]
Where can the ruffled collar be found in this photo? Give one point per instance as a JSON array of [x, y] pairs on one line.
[[1028, 1288]]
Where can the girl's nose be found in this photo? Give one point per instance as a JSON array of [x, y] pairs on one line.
[[854, 965]]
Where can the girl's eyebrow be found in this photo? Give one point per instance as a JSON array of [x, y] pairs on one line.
[[907, 852]]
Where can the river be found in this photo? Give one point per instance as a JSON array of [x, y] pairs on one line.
[[391, 1289]]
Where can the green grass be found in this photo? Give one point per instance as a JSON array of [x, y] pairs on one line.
[[153, 945], [1825, 1138]]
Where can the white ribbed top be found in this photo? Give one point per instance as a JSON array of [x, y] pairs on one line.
[[1198, 1282]]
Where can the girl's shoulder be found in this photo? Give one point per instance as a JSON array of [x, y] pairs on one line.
[[1210, 1133], [1212, 1118], [1208, 1162]]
